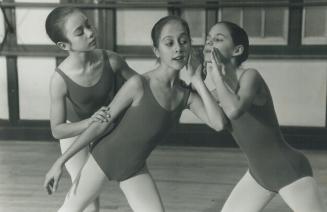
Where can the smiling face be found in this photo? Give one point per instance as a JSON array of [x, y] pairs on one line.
[[174, 45], [79, 33], [220, 38]]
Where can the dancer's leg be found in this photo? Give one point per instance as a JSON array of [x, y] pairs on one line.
[[303, 196], [142, 194], [247, 196], [85, 188], [74, 166]]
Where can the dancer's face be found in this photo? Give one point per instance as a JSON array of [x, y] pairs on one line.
[[174, 45], [79, 32], [219, 37]]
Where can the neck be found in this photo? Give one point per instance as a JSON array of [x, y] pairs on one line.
[[231, 70], [81, 59], [166, 75], [230, 67]]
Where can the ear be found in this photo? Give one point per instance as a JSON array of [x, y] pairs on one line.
[[63, 45], [238, 50], [156, 52]]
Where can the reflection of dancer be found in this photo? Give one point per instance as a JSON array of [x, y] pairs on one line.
[[274, 166], [86, 80], [153, 104]]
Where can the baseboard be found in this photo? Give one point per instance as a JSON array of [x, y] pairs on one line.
[[200, 135], [183, 135]]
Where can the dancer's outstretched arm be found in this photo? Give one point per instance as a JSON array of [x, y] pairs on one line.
[[120, 66], [202, 103], [59, 128], [128, 95], [234, 104]]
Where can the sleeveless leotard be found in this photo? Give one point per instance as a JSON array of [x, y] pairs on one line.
[[272, 162], [122, 153], [82, 102]]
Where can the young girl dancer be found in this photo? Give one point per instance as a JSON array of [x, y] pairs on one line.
[[152, 105], [274, 166], [82, 84]]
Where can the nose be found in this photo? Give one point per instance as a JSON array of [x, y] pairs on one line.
[[208, 46], [89, 32], [209, 42], [178, 47]]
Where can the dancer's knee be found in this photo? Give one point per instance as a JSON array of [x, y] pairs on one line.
[[93, 206], [68, 209], [303, 195], [73, 206]]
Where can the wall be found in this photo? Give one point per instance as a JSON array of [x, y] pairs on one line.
[[298, 88]]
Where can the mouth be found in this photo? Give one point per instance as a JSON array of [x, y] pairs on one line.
[[179, 58], [207, 55], [93, 43]]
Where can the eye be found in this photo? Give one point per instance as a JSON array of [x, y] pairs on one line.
[[169, 43], [79, 32], [183, 41], [208, 40], [87, 25], [218, 39]]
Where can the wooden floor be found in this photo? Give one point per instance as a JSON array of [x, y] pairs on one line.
[[189, 179]]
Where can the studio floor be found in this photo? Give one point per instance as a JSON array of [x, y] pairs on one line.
[[190, 179]]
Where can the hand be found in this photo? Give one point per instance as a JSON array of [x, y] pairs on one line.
[[102, 115], [197, 76], [194, 61], [215, 70], [222, 71], [217, 63], [52, 178]]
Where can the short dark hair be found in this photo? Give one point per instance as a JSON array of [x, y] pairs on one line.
[[54, 23], [158, 26], [239, 37]]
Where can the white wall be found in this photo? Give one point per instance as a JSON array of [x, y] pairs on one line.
[[34, 77], [134, 25], [298, 88], [4, 114], [30, 23], [142, 65], [2, 27]]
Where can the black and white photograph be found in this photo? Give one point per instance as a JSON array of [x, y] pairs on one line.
[[163, 105]]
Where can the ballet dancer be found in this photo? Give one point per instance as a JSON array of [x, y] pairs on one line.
[[274, 166], [149, 106], [82, 85]]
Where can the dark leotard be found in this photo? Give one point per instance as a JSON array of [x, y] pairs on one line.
[[272, 162], [82, 102], [122, 153]]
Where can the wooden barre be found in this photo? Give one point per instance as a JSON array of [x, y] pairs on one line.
[[166, 4]]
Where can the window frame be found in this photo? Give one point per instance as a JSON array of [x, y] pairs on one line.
[[262, 40], [106, 15], [294, 48], [306, 41], [198, 40]]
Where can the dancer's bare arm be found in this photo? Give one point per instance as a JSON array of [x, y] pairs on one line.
[[235, 104], [120, 66], [128, 95], [59, 128]]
